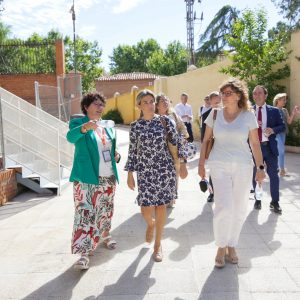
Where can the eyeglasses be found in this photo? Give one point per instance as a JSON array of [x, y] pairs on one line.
[[99, 104], [227, 93]]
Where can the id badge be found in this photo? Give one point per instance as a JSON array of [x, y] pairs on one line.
[[106, 155]]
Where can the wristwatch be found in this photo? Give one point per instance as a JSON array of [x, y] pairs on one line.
[[261, 168]]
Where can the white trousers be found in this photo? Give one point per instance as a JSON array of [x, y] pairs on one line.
[[231, 182]]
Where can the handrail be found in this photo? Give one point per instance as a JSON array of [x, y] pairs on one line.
[[2, 150], [40, 123], [33, 108], [36, 172], [44, 119], [30, 130]]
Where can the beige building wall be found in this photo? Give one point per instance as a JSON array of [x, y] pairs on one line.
[[200, 82], [125, 104], [109, 88], [294, 92], [196, 83]]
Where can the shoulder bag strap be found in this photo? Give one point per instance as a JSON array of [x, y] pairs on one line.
[[214, 117]]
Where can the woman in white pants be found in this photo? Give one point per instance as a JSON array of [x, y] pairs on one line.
[[231, 166]]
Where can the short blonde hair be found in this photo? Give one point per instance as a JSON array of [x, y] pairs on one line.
[[277, 97], [213, 94]]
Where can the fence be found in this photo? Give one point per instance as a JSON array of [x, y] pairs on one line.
[[27, 58], [61, 101], [70, 86]]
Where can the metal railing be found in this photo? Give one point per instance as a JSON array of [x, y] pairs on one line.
[[2, 154], [27, 58], [34, 138]]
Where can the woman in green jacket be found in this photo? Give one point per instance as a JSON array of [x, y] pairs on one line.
[[94, 174]]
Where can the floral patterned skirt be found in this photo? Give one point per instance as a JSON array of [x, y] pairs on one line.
[[94, 206]]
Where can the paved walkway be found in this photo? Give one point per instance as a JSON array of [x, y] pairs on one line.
[[35, 260]]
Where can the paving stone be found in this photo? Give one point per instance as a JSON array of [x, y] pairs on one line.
[[36, 263]]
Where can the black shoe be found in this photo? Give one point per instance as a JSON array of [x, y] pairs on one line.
[[257, 204], [276, 208], [210, 198], [252, 191]]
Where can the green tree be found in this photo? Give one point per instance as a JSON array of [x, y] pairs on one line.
[[18, 59], [123, 60], [4, 32], [126, 58], [88, 56], [281, 29], [170, 61], [290, 9], [213, 40], [255, 54], [88, 61]]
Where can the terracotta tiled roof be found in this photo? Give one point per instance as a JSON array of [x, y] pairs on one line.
[[128, 76]]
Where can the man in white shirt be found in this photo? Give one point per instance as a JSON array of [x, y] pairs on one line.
[[184, 110]]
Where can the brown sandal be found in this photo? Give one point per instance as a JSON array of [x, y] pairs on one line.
[[220, 262], [231, 256], [157, 255], [220, 258]]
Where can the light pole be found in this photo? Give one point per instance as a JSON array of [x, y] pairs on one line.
[[72, 11]]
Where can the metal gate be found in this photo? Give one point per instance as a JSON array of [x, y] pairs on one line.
[[61, 101]]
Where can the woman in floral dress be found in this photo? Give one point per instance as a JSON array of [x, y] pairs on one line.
[[150, 158], [94, 174]]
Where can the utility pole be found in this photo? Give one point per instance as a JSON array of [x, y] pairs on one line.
[[190, 18], [72, 11]]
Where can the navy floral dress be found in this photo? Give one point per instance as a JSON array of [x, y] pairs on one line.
[[149, 156]]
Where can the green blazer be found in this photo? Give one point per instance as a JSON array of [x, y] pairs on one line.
[[86, 156]]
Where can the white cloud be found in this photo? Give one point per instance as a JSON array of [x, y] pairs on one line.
[[87, 31], [125, 5], [28, 16]]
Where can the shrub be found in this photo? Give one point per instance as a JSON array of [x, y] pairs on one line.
[[293, 137], [114, 115]]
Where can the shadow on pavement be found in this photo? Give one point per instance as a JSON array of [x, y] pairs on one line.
[[224, 283], [60, 287], [128, 283], [194, 229], [219, 285], [22, 202], [63, 285], [268, 230]]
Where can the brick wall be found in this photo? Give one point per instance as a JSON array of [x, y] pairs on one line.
[[23, 85], [109, 88], [8, 185]]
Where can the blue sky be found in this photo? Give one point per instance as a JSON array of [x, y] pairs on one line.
[[114, 22]]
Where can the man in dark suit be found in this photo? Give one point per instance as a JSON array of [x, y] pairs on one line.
[[270, 123], [214, 101]]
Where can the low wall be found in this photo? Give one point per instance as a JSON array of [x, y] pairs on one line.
[[23, 85], [125, 104], [8, 185]]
